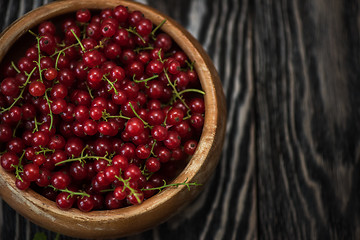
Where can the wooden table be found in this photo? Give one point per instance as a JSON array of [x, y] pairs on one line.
[[290, 165]]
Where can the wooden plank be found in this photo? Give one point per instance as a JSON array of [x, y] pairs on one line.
[[306, 62]]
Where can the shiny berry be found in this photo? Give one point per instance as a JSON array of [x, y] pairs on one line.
[[153, 164], [31, 172], [134, 126], [64, 200], [83, 15], [9, 161], [9, 87], [85, 203], [60, 180]]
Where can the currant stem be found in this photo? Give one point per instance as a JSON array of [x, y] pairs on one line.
[[107, 190], [127, 185], [137, 115], [101, 43], [164, 123], [45, 150], [14, 66], [159, 55], [19, 167], [61, 44], [21, 93], [133, 30], [111, 84], [188, 115], [39, 57], [144, 172], [16, 127], [32, 33], [137, 50], [192, 90], [157, 27], [89, 90], [145, 80], [190, 64], [70, 192], [106, 115], [49, 104], [36, 125], [61, 52], [185, 183], [78, 40], [175, 90], [56, 62], [82, 151], [64, 49], [82, 158], [152, 148]]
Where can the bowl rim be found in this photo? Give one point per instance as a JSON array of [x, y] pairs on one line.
[[209, 144]]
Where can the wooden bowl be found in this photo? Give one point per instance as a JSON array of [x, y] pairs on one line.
[[157, 209]]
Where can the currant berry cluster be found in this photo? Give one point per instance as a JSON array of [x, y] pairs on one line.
[[101, 111]]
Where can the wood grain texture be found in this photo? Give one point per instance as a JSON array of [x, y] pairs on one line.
[[307, 132]]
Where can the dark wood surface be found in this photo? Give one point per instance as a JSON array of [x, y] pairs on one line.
[[290, 165]]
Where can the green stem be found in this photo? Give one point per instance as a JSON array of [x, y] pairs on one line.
[[133, 30], [82, 158], [137, 115], [19, 166], [16, 127], [101, 43], [78, 40], [159, 55], [36, 128], [190, 64], [45, 150], [164, 123], [49, 104], [89, 90], [107, 190], [137, 50], [39, 57], [61, 52], [185, 183], [82, 151], [64, 49], [14, 66], [127, 185], [111, 84], [145, 80], [56, 62], [84, 194], [175, 90], [188, 116], [41, 80], [157, 27], [21, 93], [106, 115], [192, 90], [152, 148], [32, 33]]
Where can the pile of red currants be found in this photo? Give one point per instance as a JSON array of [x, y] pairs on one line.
[[101, 111]]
